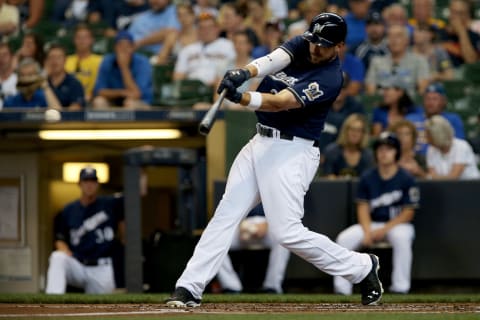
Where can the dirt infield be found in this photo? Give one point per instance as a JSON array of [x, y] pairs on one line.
[[57, 310]]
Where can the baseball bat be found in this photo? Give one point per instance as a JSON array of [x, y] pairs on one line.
[[209, 118]]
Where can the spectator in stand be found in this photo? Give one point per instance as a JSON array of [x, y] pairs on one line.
[[84, 64], [207, 59], [309, 9], [279, 9], [354, 69], [124, 78], [175, 41], [396, 14], [8, 77], [232, 19], [447, 156], [257, 18], [411, 161], [424, 44], [67, 88], [33, 88], [356, 20], [376, 43], [116, 14], [32, 47], [349, 156], [343, 107], [461, 43], [70, 12], [9, 20], [396, 105], [423, 14], [205, 6], [434, 103], [150, 28], [400, 62], [273, 39], [387, 197], [31, 12]]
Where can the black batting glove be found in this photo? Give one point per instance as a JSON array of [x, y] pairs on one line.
[[236, 77], [232, 93]]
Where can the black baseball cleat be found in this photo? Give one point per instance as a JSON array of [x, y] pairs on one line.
[[182, 298], [371, 287]]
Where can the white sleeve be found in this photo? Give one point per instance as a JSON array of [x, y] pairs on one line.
[[272, 62], [181, 65], [462, 152]]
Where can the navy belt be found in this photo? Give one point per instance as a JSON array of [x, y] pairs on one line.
[[270, 132]]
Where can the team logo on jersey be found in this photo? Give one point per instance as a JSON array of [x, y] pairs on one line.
[[283, 77], [313, 91]]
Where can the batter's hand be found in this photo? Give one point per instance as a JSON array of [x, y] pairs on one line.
[[232, 93], [236, 77]]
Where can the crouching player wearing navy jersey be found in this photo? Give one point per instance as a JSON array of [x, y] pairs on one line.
[[386, 200], [301, 80], [84, 235]]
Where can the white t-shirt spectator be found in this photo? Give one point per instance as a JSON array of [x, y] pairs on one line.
[[206, 63], [8, 88], [460, 153]]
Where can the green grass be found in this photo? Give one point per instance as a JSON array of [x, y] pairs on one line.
[[225, 298]]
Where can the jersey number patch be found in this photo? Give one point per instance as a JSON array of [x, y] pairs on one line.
[[313, 91]]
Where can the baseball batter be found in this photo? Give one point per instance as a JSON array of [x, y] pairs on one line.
[[84, 234], [302, 78]]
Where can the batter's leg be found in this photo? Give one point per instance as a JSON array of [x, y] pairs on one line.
[[350, 238], [241, 195], [401, 238]]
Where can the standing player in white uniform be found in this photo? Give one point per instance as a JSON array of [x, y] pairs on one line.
[[302, 78], [84, 235]]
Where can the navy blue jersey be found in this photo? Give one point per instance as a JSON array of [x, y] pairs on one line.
[[387, 197], [89, 231], [316, 86]]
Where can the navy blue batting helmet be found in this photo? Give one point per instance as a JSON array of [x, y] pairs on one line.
[[390, 139], [326, 30]]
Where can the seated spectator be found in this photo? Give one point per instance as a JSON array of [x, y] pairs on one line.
[[257, 17], [253, 233], [9, 20], [67, 88], [116, 14], [400, 62], [232, 20], [124, 78], [396, 14], [411, 161], [423, 12], [396, 105], [356, 20], [70, 12], [31, 12], [207, 59], [278, 9], [84, 64], [33, 88], [32, 47], [150, 28], [434, 103], [205, 6], [375, 44], [273, 39], [461, 43], [441, 67], [175, 41], [386, 200], [448, 157], [342, 107], [308, 9], [349, 156], [8, 77], [354, 69]]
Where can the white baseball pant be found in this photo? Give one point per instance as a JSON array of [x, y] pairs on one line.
[[64, 269], [278, 172], [400, 237], [277, 263]]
